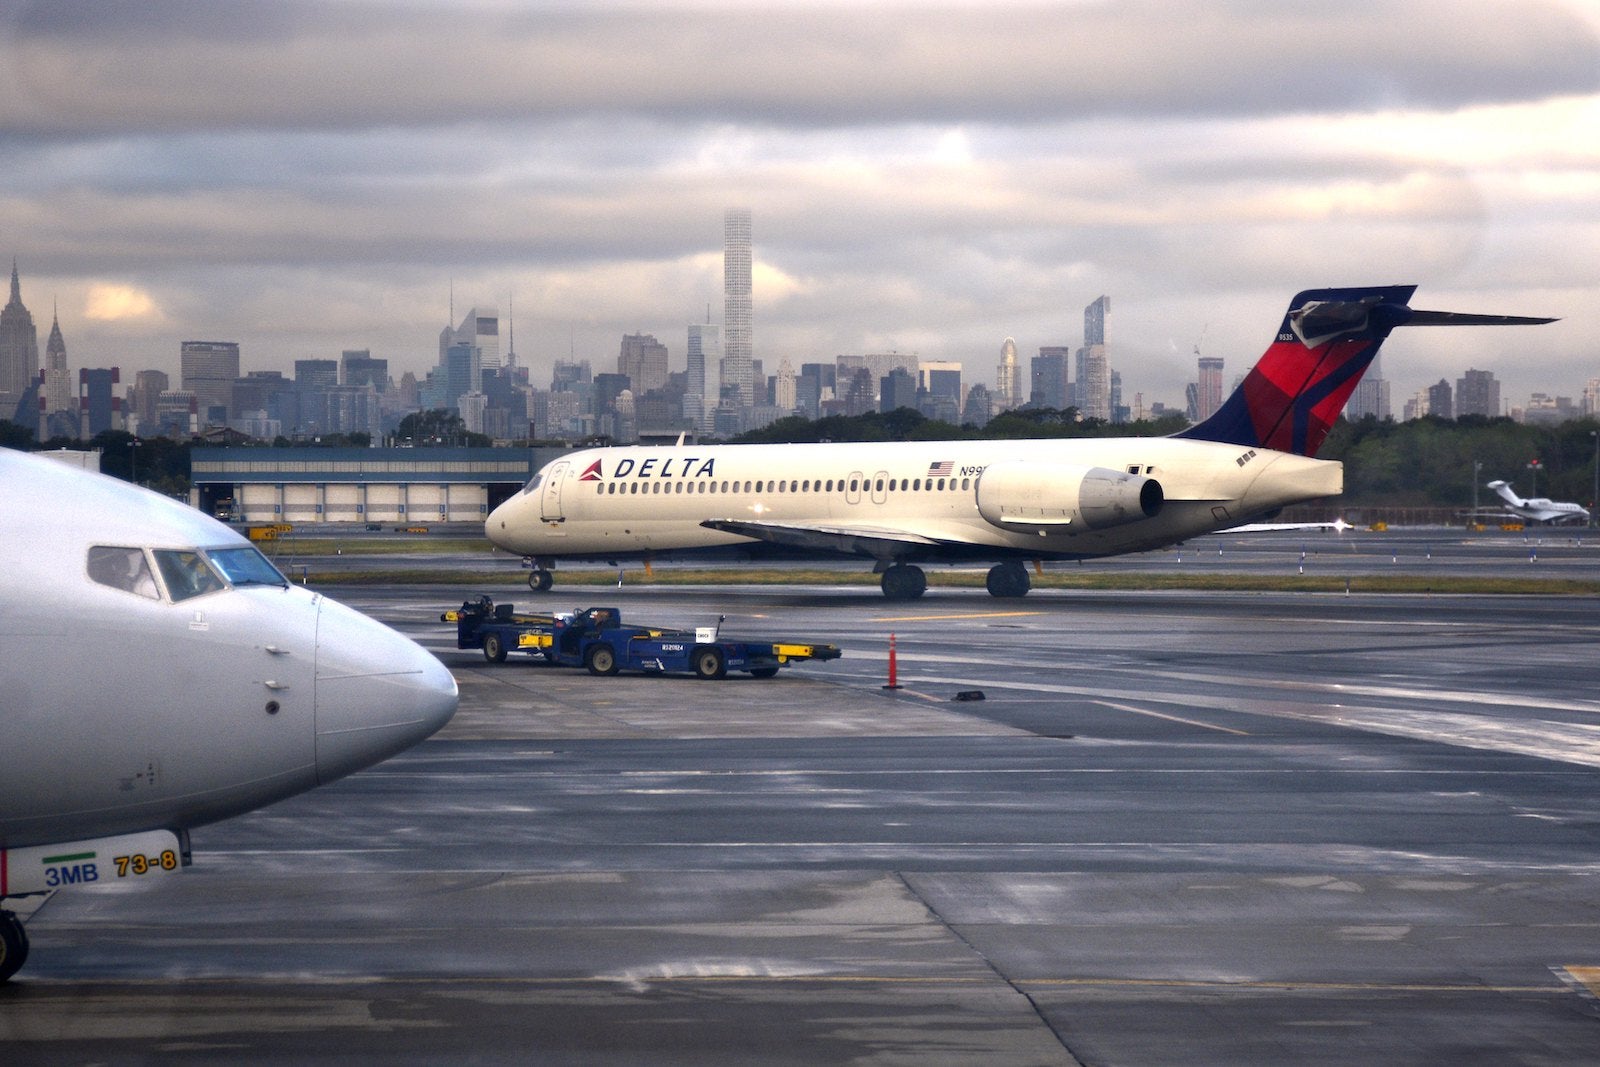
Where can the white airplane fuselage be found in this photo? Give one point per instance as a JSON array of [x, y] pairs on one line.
[[904, 501], [1540, 508], [157, 673]]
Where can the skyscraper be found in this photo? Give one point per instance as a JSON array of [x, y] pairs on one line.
[[1371, 396], [58, 398], [143, 397], [208, 370], [1008, 378], [99, 408], [1441, 403], [1208, 392], [644, 360], [738, 306], [703, 386], [480, 328], [19, 351], [1092, 381], [1049, 378], [1477, 393]]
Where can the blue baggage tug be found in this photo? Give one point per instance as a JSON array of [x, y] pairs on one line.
[[598, 640]]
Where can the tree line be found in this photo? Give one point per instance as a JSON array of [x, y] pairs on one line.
[[1426, 462]]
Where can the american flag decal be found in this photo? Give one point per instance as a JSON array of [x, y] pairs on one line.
[[941, 470]]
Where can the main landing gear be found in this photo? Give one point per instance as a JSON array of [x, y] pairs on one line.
[[13, 945], [1008, 580], [903, 582]]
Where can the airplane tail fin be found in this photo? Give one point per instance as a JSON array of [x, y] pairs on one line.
[[1507, 494], [1328, 338]]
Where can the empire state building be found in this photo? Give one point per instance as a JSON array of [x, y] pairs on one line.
[[19, 351]]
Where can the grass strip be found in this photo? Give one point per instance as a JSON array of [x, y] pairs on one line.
[[1088, 580]]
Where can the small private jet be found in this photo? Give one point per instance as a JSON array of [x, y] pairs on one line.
[[157, 673], [1539, 508], [910, 503]]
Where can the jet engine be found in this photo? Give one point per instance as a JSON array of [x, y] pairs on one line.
[[1023, 495]]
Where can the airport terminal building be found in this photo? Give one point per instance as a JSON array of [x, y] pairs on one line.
[[360, 485]]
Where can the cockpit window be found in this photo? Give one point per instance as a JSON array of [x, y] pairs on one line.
[[122, 568], [533, 483], [245, 566], [186, 573]]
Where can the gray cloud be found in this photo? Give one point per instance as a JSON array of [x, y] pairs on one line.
[[307, 177], [90, 67]]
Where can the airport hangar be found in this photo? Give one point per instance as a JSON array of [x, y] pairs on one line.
[[360, 485]]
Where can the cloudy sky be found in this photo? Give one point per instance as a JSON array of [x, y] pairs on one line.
[[308, 177]]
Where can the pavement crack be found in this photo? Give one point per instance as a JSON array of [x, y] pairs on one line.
[[1061, 1039]]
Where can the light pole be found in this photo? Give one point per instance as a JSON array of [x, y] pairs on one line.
[[1594, 501], [1477, 468]]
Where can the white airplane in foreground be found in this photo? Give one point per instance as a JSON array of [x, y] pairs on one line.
[[907, 503], [1539, 508], [158, 673]]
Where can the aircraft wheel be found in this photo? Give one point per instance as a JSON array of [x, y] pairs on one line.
[[13, 945], [540, 580], [494, 650], [709, 664], [1009, 580], [601, 659], [763, 672], [903, 582]]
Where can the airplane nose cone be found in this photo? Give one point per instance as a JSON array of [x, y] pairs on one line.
[[378, 692], [499, 527]]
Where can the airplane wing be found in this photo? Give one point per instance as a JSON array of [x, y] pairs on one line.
[[1337, 525], [850, 538]]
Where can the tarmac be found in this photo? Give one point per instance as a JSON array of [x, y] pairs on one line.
[[1176, 829]]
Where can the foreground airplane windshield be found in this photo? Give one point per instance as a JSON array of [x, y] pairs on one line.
[[158, 673], [1539, 508], [908, 503]]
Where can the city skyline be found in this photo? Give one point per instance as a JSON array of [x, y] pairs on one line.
[[934, 181]]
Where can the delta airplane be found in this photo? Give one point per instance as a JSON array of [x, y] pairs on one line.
[[157, 673], [908, 503], [1539, 508]]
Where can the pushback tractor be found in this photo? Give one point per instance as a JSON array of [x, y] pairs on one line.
[[598, 640]]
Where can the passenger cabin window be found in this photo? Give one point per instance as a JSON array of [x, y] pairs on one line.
[[122, 568], [186, 573], [246, 566]]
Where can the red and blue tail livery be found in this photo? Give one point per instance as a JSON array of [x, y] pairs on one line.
[[1327, 340]]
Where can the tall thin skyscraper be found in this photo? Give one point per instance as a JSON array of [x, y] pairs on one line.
[[1371, 396], [19, 350], [1094, 322], [60, 392], [1092, 387], [738, 306], [703, 387], [1008, 378], [1208, 398]]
